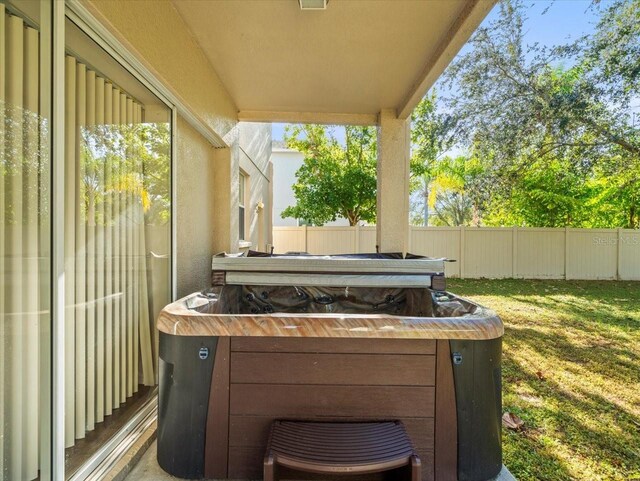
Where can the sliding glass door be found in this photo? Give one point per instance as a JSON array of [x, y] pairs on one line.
[[25, 241], [117, 213], [116, 204]]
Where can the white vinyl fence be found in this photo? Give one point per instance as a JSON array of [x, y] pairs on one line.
[[491, 252]]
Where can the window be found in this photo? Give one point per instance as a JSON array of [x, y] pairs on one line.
[[242, 180]]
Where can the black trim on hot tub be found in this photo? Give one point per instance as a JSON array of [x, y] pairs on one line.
[[478, 385], [186, 366]]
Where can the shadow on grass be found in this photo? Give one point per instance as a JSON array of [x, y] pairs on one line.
[[583, 336], [617, 363], [592, 317], [609, 445]]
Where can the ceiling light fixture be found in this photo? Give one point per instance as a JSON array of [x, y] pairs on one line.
[[313, 4]]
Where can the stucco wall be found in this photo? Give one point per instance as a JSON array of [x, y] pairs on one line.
[[206, 217], [195, 208], [156, 33], [255, 155]]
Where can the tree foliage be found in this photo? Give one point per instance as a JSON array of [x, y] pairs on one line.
[[454, 198], [127, 159], [430, 139], [334, 180], [553, 124]]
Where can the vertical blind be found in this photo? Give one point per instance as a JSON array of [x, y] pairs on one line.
[[23, 226], [109, 335], [116, 208]]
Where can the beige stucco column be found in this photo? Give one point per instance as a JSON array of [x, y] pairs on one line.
[[392, 231]]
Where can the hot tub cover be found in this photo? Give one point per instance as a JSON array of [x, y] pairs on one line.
[[355, 270]]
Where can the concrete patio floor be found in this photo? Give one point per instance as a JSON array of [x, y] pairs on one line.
[[148, 470]]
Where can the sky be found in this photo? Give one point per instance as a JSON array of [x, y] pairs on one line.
[[563, 21]]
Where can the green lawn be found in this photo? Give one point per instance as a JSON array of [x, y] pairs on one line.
[[571, 371]]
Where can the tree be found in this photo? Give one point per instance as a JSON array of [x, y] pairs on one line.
[[454, 196], [549, 193], [612, 55], [528, 108], [612, 62], [334, 180], [430, 138]]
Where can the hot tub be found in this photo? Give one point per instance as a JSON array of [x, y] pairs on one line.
[[340, 338]]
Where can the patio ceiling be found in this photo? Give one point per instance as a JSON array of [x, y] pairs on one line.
[[340, 65]]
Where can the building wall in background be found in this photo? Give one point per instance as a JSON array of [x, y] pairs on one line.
[[285, 164], [255, 156]]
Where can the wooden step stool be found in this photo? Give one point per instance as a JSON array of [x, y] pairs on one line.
[[339, 448]]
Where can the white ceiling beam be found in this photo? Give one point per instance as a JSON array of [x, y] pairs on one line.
[[307, 117], [467, 22]]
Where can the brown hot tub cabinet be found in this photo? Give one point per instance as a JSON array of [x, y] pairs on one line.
[[332, 339]]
